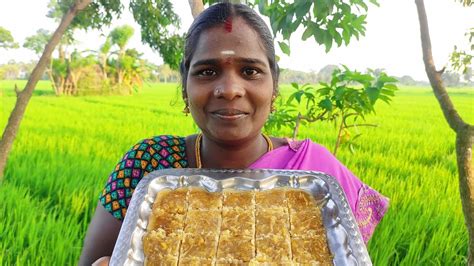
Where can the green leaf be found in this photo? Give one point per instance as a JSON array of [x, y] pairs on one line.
[[337, 37], [339, 92], [324, 91], [262, 5], [373, 94], [374, 2], [284, 48], [294, 85], [386, 79], [290, 99], [346, 35], [326, 104], [302, 8], [384, 98], [391, 86], [298, 96], [327, 41], [308, 32], [318, 35]]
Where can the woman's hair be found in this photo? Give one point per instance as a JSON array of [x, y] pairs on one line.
[[219, 14]]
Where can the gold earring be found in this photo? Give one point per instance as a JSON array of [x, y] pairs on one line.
[[186, 110], [186, 107], [272, 105]]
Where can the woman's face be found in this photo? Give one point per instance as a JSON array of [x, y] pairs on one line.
[[229, 85]]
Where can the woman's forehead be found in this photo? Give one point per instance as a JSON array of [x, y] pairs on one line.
[[242, 41]]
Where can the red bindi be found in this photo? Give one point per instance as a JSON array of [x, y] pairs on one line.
[[228, 24]]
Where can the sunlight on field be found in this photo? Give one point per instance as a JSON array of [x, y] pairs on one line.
[[67, 146]]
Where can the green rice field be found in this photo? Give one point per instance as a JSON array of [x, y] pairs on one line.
[[67, 146]]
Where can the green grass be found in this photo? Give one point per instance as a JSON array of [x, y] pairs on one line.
[[67, 146]]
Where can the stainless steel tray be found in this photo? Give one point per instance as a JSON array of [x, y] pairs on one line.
[[344, 238]]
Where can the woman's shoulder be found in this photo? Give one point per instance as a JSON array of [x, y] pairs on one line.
[[160, 140], [161, 151]]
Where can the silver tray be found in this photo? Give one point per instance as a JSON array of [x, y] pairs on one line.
[[344, 238]]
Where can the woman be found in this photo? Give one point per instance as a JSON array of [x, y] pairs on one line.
[[229, 80]]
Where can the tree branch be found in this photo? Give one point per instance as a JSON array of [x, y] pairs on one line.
[[449, 112], [17, 91], [440, 72], [196, 7]]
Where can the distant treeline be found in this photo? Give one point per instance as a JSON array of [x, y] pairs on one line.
[[163, 73], [451, 79]]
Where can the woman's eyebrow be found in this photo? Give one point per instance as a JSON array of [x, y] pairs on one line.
[[205, 62], [250, 61]]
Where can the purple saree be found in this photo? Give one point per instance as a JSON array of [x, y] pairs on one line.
[[367, 204]]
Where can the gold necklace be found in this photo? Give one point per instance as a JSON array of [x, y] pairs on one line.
[[197, 146]]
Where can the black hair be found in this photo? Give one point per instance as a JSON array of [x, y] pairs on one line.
[[218, 14]]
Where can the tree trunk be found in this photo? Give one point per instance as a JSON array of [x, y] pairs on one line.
[[24, 96], [196, 7], [297, 126], [464, 131], [339, 133]]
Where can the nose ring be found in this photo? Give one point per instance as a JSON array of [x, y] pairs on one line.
[[217, 92]]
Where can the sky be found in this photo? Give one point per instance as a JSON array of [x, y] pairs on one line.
[[391, 41]]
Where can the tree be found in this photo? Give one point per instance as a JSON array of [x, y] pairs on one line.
[[157, 20], [407, 80], [77, 12], [468, 74], [6, 39], [344, 100], [464, 131], [10, 70], [120, 37], [37, 42], [325, 74], [166, 74], [450, 78]]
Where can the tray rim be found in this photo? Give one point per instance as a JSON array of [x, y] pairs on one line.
[[356, 244]]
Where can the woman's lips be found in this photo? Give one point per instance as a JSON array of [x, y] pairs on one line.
[[229, 114]]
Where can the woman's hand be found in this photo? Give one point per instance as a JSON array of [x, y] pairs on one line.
[[100, 239], [104, 261]]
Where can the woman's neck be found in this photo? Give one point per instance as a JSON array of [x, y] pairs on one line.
[[241, 155]]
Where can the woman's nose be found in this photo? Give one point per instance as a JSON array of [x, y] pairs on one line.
[[229, 87]]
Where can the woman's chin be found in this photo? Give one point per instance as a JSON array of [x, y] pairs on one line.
[[231, 136]]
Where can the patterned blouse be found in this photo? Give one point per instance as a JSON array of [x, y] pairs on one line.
[[148, 155], [169, 151]]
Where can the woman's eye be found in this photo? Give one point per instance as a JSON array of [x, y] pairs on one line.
[[206, 73], [250, 72]]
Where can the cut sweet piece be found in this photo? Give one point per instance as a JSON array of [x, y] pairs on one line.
[[172, 201], [271, 222], [155, 260], [200, 199], [306, 250], [202, 222], [238, 222], [306, 222], [232, 262], [273, 198], [196, 261], [235, 247], [238, 199], [199, 245], [299, 199], [159, 243], [167, 221], [273, 249]]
